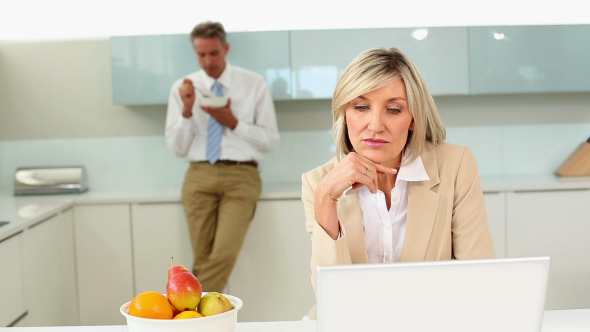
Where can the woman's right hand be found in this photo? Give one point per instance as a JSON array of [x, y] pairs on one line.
[[353, 171]]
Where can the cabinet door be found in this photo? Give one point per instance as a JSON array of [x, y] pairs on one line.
[[496, 210], [266, 53], [555, 224], [103, 262], [42, 273], [67, 266], [159, 232], [320, 56], [12, 300], [144, 67], [272, 274], [516, 59], [50, 275]]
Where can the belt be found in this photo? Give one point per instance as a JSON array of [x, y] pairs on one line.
[[233, 162]]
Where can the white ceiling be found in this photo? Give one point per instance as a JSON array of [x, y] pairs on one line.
[[59, 19]]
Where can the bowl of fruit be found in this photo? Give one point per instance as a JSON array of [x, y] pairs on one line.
[[184, 307]]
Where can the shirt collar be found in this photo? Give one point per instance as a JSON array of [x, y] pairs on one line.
[[413, 171], [224, 78]]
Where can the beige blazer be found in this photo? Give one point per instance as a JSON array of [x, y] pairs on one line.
[[446, 214]]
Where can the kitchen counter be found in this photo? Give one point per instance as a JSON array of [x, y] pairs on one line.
[[533, 183], [23, 211], [553, 321], [276, 200]]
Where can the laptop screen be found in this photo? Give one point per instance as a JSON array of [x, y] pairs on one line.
[[506, 294]]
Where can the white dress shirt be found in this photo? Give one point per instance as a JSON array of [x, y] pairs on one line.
[[251, 103], [385, 229]]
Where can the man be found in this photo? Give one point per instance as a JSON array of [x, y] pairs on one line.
[[222, 184]]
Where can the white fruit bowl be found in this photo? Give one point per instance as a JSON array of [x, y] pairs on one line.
[[213, 101], [223, 322]]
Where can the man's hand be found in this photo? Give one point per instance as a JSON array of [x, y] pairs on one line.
[[223, 115], [187, 93]]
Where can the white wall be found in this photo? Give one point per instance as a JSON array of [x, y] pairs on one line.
[[61, 89]]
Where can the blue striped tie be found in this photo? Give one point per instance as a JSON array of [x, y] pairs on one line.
[[215, 129]]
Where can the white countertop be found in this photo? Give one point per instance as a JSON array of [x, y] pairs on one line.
[[576, 320], [23, 211], [533, 183]]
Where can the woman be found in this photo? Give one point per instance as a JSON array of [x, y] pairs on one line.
[[395, 190]]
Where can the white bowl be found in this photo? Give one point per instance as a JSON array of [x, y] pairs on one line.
[[223, 322], [213, 101]]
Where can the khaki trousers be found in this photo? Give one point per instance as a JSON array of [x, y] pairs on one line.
[[219, 202]]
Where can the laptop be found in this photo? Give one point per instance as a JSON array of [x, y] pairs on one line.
[[480, 295]]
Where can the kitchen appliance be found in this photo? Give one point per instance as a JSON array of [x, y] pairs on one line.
[[50, 180]]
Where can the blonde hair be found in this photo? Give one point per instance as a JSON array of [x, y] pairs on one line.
[[374, 69]]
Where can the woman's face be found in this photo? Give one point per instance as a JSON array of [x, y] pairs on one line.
[[378, 123]]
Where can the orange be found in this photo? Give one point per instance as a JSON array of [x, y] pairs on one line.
[[188, 314], [151, 304]]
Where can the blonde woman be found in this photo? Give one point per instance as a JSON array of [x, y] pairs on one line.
[[395, 191]]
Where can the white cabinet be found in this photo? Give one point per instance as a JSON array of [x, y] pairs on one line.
[[555, 224], [496, 210], [12, 299], [272, 274], [159, 232], [50, 281], [67, 260], [104, 263]]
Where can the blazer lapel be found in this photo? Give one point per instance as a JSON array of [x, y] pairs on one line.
[[422, 209], [349, 214]]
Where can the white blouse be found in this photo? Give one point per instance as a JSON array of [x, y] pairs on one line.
[[385, 230]]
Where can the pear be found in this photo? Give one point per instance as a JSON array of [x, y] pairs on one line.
[[214, 303], [183, 288]]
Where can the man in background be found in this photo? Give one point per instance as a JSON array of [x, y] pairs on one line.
[[223, 145]]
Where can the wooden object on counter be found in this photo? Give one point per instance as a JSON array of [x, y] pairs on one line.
[[578, 163]]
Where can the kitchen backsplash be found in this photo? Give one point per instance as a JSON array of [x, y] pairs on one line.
[[139, 162]]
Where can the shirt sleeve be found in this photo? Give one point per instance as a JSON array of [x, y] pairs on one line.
[[263, 133], [179, 131]]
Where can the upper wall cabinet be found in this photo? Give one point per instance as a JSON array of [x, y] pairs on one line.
[[306, 64], [520, 59], [320, 56], [267, 53], [144, 67]]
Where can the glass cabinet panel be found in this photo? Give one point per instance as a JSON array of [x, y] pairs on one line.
[[320, 56], [517, 59], [144, 67]]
